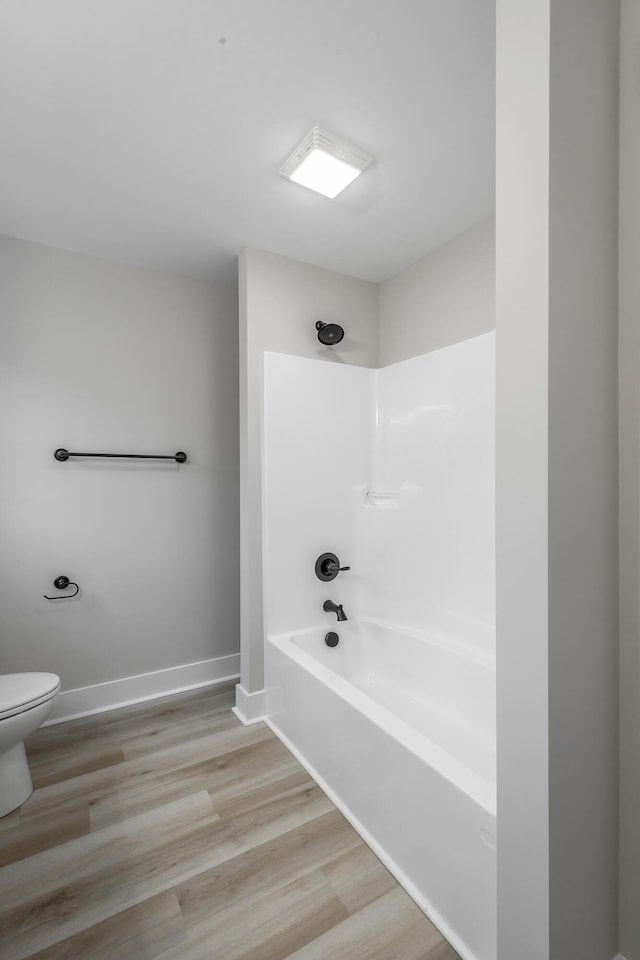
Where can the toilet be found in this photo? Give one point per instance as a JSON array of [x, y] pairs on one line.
[[26, 700]]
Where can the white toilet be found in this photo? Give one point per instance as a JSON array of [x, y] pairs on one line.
[[26, 700]]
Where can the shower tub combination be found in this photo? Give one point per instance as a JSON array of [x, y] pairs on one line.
[[393, 471], [399, 730]]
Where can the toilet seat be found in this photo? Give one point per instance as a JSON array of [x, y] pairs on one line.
[[23, 691]]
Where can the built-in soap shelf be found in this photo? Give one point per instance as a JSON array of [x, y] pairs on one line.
[[381, 498]]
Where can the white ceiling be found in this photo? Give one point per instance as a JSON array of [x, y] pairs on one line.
[[152, 131]]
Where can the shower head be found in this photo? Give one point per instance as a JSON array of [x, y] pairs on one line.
[[329, 333]]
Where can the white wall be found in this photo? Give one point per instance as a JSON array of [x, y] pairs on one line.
[[430, 559], [557, 624], [629, 357], [522, 291], [338, 441], [318, 419], [447, 296], [99, 356], [280, 302]]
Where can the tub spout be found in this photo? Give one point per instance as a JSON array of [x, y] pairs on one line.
[[330, 607]]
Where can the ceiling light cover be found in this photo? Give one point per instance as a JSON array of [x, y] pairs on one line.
[[325, 163]]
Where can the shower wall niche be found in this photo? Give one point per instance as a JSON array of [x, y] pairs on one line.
[[393, 470]]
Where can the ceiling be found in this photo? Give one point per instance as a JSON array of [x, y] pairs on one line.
[[152, 131]]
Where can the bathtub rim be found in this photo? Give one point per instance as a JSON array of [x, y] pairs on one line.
[[480, 789]]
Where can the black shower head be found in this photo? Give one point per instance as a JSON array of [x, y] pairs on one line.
[[329, 333]]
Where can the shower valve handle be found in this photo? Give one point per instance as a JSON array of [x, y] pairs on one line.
[[328, 567], [334, 568]]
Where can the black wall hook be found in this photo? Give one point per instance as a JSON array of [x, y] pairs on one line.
[[61, 583]]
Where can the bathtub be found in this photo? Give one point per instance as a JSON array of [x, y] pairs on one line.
[[399, 730]]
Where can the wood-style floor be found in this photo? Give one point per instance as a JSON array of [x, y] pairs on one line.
[[168, 831]]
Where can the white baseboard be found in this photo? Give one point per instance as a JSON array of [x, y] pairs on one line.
[[84, 701], [250, 707]]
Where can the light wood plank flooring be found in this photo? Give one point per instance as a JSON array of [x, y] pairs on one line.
[[168, 831]]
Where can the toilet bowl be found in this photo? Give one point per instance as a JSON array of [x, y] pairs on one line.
[[26, 700]]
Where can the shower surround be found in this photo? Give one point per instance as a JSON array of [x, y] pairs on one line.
[[393, 470]]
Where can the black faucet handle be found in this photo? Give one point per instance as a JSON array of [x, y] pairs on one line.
[[334, 568], [328, 567]]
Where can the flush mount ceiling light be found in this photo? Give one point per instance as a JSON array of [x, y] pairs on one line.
[[324, 163]]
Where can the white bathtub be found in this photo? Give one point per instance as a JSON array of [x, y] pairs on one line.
[[400, 732]]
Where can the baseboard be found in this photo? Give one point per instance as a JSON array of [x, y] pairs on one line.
[[84, 701], [250, 707]]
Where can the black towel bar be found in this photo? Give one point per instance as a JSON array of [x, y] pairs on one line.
[[61, 454]]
